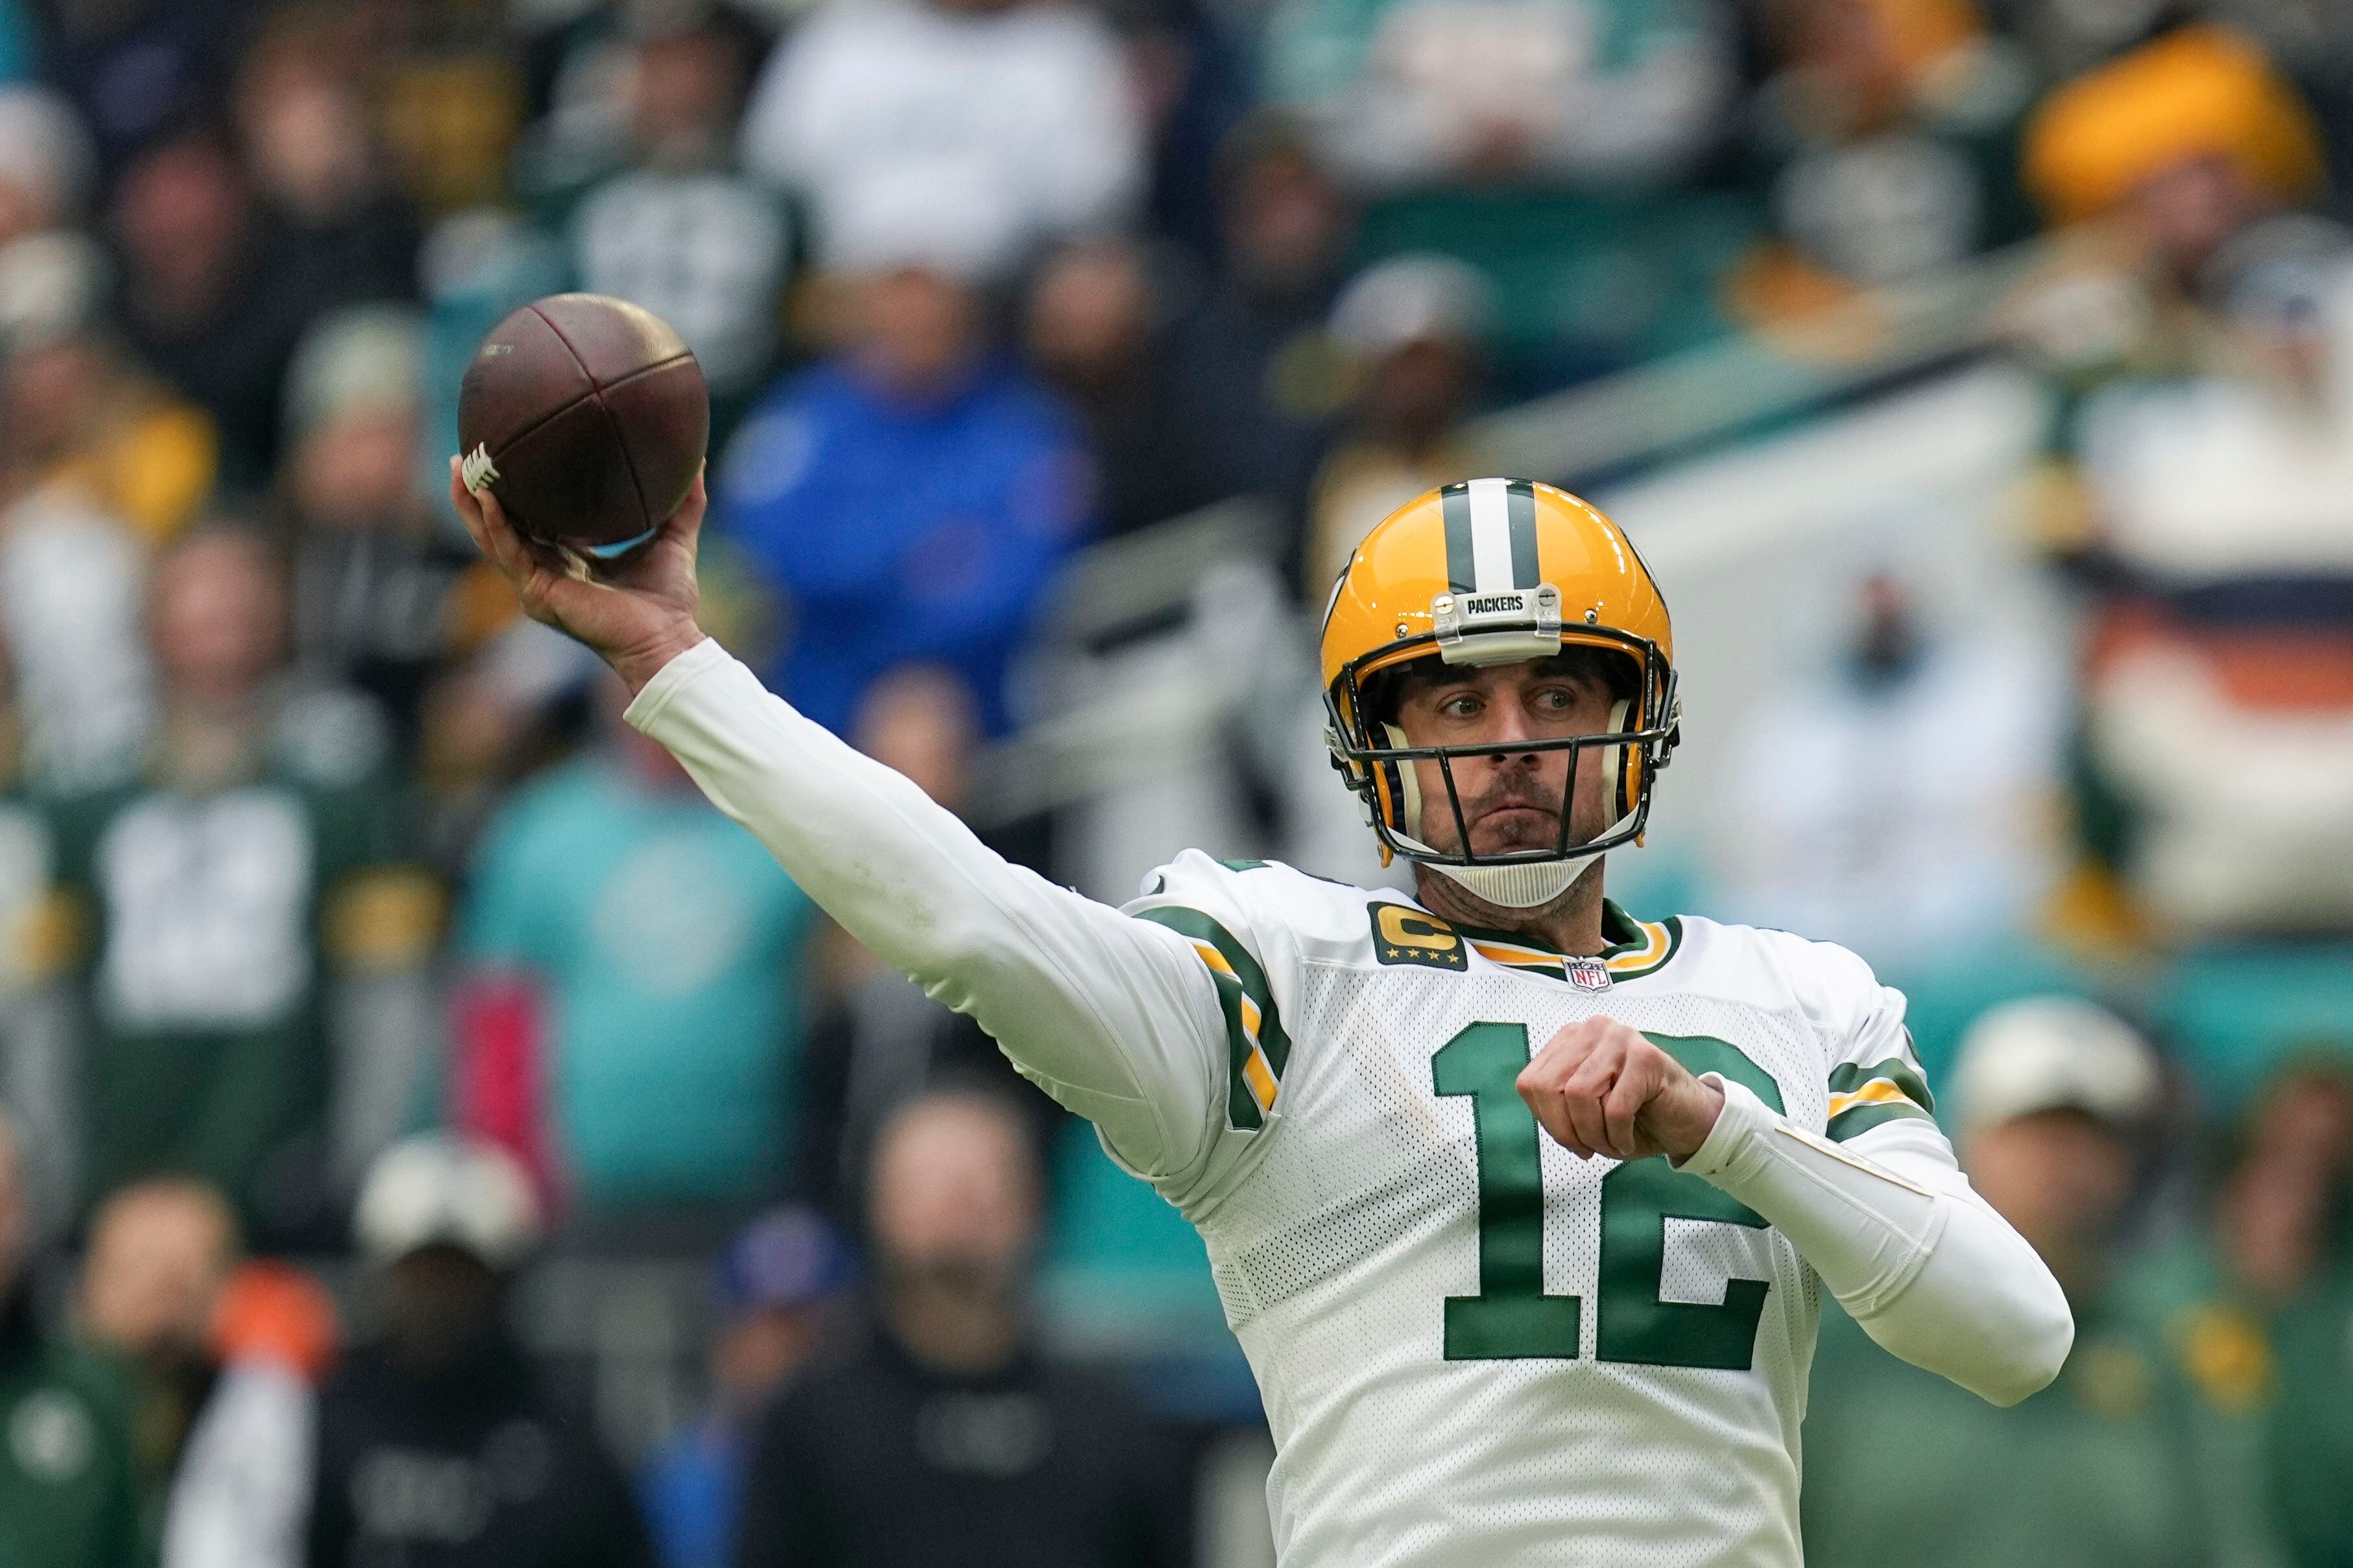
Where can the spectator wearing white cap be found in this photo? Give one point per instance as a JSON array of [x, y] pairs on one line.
[[2054, 1102], [2048, 1094], [69, 568], [1416, 327], [435, 1443]]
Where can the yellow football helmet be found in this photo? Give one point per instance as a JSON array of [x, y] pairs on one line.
[[1484, 572]]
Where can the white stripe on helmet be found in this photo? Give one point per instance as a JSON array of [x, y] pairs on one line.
[[1490, 536]]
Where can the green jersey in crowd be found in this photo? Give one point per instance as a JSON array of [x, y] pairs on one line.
[[2311, 1428], [67, 1495], [212, 920], [2225, 1345], [2099, 1470]]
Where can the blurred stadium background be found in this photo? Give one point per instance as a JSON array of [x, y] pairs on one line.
[[1975, 374]]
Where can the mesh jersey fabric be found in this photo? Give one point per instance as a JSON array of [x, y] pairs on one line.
[[1339, 1227]]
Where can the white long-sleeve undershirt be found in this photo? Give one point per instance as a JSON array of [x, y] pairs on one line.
[[1118, 1020], [1901, 1238], [1115, 1017]]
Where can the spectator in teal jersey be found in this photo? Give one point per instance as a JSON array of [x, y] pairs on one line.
[[15, 42], [1558, 94], [1549, 144], [632, 1023]]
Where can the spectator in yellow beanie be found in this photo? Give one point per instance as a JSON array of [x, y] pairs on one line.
[[2189, 139]]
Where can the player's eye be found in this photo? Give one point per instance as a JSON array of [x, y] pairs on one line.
[[1554, 700], [1461, 705]]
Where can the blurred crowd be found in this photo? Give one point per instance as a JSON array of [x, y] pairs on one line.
[[343, 922]]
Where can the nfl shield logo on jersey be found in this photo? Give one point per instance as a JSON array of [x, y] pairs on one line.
[[1588, 973]]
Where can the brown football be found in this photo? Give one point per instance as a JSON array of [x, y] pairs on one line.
[[587, 417]]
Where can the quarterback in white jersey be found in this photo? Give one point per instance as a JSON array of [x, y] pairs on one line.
[[1520, 1206]]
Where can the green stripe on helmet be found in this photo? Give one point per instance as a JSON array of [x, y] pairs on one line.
[[1520, 500], [1462, 573]]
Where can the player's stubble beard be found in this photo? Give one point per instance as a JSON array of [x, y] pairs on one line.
[[1571, 922]]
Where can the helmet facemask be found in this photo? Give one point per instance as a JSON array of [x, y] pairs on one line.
[[1373, 755]]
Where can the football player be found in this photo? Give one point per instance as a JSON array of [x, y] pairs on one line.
[[1519, 1204]]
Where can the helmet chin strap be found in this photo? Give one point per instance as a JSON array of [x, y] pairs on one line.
[[1523, 885]]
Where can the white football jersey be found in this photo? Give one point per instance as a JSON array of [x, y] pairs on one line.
[[1476, 1351], [1475, 1348]]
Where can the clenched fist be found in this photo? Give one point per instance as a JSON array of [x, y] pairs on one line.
[[1599, 1088]]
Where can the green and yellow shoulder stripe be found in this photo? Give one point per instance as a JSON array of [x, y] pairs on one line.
[[1864, 1096], [1257, 1046]]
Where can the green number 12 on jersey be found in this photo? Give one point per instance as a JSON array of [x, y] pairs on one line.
[[1512, 1316]]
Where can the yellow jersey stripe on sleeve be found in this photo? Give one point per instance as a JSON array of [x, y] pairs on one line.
[[1257, 1046]]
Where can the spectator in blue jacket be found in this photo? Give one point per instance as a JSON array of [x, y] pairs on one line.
[[909, 499], [773, 1290]]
